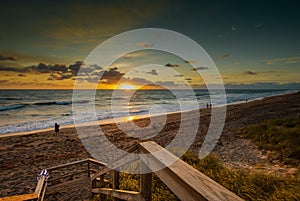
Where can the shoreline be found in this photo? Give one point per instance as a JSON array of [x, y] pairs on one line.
[[136, 117]]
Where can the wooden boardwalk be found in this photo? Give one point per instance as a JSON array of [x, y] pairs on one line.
[[183, 180]]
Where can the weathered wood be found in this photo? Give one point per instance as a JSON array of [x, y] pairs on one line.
[[40, 187], [146, 183], [122, 194], [76, 163], [67, 183], [184, 180], [102, 171], [25, 197], [53, 180], [127, 158], [116, 182], [88, 169]]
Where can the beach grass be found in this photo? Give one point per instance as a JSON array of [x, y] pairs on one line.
[[280, 136], [248, 185]]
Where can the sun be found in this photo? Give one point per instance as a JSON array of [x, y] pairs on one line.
[[126, 87]]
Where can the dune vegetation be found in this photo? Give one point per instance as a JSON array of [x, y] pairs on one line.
[[279, 136]]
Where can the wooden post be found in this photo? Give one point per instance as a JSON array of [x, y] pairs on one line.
[[88, 168], [116, 182], [146, 184], [101, 186]]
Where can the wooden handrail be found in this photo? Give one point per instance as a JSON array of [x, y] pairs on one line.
[[182, 179], [24, 197], [75, 163]]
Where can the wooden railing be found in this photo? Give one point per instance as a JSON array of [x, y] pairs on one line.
[[54, 179], [183, 180]]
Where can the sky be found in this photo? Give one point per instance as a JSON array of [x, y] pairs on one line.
[[43, 43]]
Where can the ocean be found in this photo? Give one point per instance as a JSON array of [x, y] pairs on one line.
[[27, 110]]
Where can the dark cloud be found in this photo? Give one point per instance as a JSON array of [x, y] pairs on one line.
[[111, 76], [200, 68], [249, 72], [188, 79], [60, 76], [223, 56], [3, 81], [75, 67], [7, 58], [178, 75], [153, 72], [21, 75], [171, 65], [190, 62], [13, 69], [58, 67]]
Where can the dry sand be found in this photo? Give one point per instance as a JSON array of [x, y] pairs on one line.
[[22, 157]]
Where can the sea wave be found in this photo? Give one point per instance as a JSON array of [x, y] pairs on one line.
[[19, 106], [10, 98], [11, 107]]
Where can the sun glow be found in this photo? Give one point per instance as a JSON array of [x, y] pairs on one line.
[[130, 118], [126, 87]]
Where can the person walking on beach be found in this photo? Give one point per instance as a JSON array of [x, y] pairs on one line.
[[56, 129]]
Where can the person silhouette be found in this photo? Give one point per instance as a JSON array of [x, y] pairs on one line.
[[56, 129]]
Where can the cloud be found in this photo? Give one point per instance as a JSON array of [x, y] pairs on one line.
[[144, 45], [153, 72], [21, 75], [75, 67], [188, 79], [284, 60], [234, 28], [12, 69], [190, 62], [60, 76], [134, 55], [249, 72], [223, 56], [111, 76], [3, 81], [200, 68], [171, 65], [7, 58], [178, 75], [139, 81], [166, 83]]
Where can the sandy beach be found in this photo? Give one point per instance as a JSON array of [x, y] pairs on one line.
[[23, 156]]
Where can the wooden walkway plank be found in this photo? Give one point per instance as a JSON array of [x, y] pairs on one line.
[[25, 197], [122, 194]]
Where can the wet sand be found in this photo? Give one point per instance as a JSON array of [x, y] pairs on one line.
[[23, 156]]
